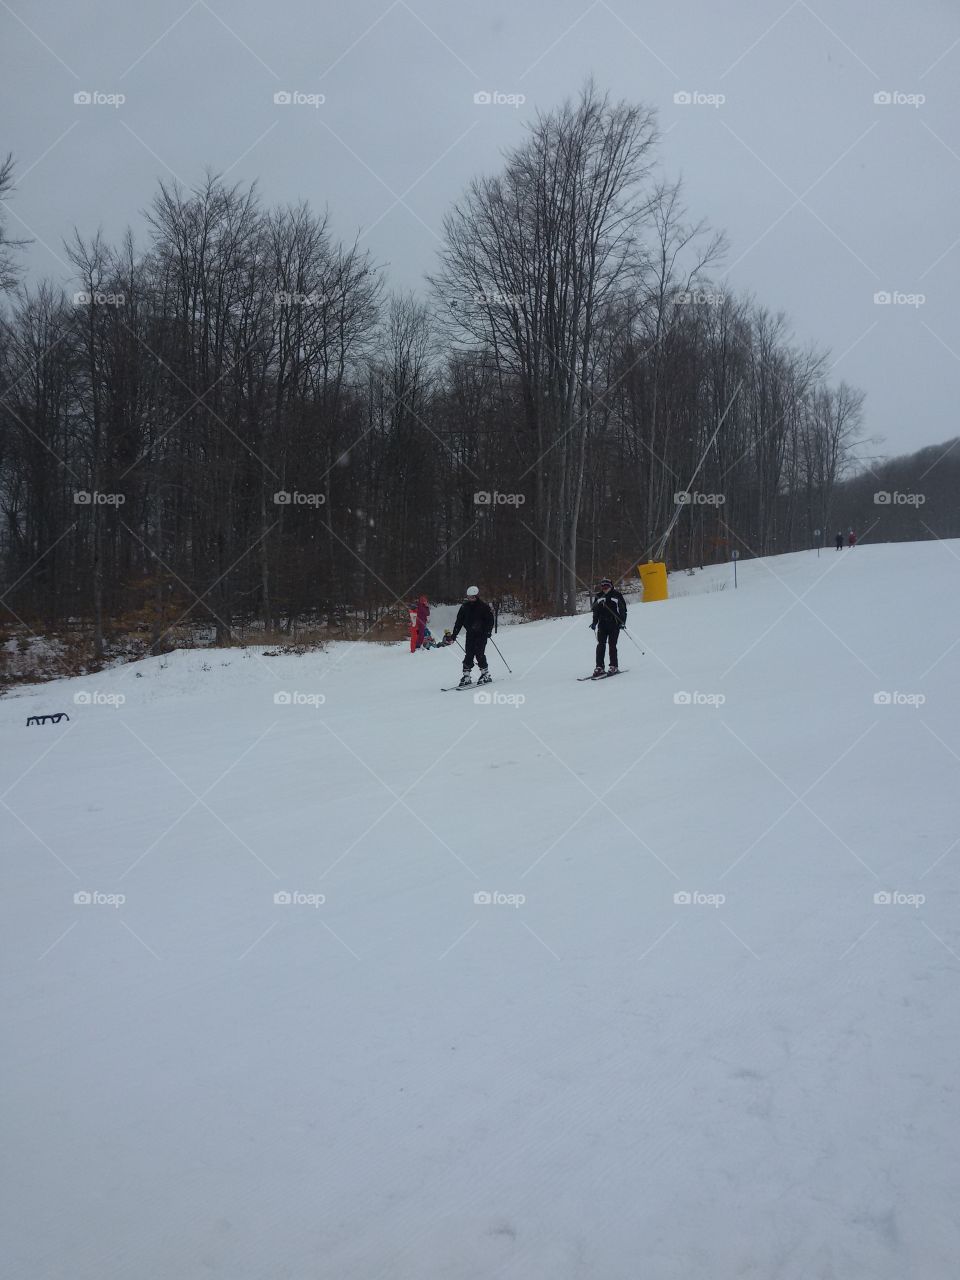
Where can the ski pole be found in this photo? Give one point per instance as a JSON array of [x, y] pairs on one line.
[[643, 652], [503, 659], [623, 628]]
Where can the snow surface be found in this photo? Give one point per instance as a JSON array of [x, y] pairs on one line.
[[596, 1082]]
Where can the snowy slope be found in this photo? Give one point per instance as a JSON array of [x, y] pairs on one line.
[[595, 1081]]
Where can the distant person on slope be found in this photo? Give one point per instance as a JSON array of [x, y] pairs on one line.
[[839, 539], [475, 619], [609, 615], [852, 539], [423, 613]]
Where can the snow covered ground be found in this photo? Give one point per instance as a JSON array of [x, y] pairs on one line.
[[684, 1040]]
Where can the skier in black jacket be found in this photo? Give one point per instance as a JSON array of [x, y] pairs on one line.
[[609, 615], [475, 619]]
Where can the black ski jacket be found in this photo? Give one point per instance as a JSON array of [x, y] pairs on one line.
[[476, 618], [610, 608]]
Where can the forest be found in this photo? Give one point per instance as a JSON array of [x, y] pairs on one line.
[[238, 423]]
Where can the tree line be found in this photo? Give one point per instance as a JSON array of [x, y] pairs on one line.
[[239, 423]]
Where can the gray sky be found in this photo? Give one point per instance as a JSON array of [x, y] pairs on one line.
[[827, 196]]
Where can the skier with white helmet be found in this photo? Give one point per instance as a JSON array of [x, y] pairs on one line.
[[475, 620], [609, 611]]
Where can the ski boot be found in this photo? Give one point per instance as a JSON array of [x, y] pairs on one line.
[[485, 677], [465, 680], [613, 671], [598, 672]]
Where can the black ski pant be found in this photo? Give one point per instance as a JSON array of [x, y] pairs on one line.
[[474, 647], [607, 632]]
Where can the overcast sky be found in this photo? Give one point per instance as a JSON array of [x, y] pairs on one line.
[[827, 196]]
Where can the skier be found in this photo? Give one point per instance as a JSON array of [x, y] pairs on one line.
[[609, 615], [839, 539], [423, 613], [852, 539], [475, 619]]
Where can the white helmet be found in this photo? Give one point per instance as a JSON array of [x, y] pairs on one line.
[[472, 593]]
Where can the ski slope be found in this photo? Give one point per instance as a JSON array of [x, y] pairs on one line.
[[586, 1076]]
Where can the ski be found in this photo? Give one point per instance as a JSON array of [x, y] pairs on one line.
[[606, 675], [459, 688]]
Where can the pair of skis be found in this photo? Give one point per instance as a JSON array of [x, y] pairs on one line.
[[458, 688]]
